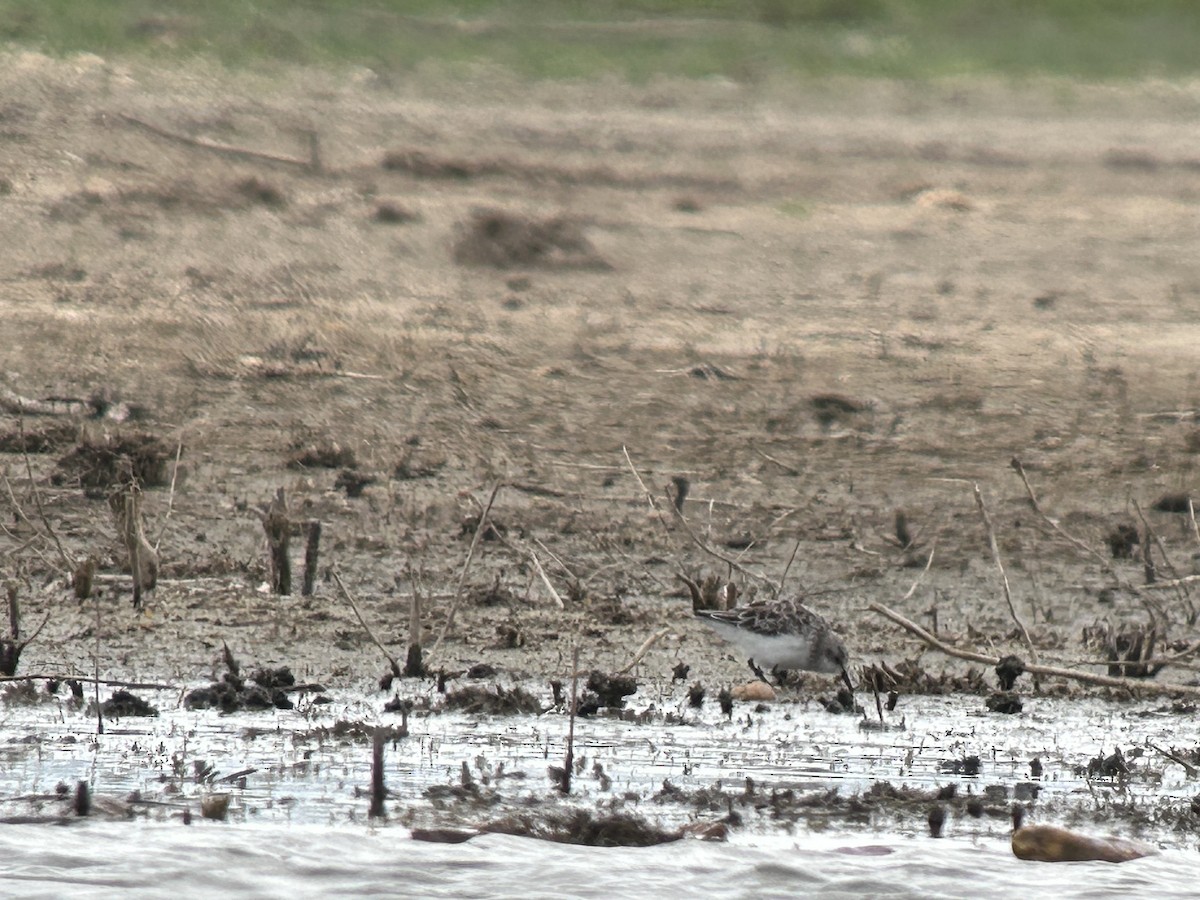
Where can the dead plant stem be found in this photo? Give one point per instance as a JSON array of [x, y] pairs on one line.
[[480, 527], [995, 548]]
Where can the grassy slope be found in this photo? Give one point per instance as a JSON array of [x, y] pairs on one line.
[[637, 39]]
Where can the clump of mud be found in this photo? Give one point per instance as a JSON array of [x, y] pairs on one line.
[[505, 240], [266, 688], [606, 691], [123, 704]]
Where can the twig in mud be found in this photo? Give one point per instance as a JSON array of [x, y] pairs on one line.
[[733, 564], [37, 501], [787, 568], [1015, 464], [480, 527], [712, 551], [1133, 685], [313, 163], [1152, 608], [170, 497], [646, 492], [1151, 534], [1057, 529], [929, 562], [644, 649], [96, 669], [790, 470], [337, 578], [545, 580], [995, 548], [84, 679], [1191, 770]]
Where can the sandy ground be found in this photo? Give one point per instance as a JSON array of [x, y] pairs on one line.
[[982, 270]]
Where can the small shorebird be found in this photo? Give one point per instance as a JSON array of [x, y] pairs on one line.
[[784, 634]]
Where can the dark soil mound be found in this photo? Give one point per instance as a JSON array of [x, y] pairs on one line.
[[504, 240]]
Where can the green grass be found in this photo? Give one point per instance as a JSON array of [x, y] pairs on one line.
[[639, 39]]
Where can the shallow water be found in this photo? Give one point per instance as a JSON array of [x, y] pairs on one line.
[[211, 860], [297, 824]]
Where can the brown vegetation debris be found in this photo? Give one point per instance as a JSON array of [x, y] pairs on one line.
[[420, 164], [122, 703], [607, 690], [831, 408], [494, 594], [1127, 646], [505, 240], [1007, 702], [711, 592], [1122, 539], [324, 455], [1134, 159], [913, 678], [353, 482], [415, 462], [38, 440], [394, 214], [1172, 503], [584, 827], [265, 689], [98, 464], [256, 190], [493, 701]]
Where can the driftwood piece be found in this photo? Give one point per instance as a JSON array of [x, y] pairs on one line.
[[14, 403], [1130, 684], [349, 598], [84, 679]]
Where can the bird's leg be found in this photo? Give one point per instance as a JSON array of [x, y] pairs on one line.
[[758, 673]]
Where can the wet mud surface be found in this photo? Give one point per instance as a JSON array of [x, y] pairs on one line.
[[787, 316]]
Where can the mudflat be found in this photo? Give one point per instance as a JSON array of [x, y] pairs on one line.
[[816, 306]]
